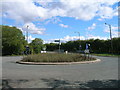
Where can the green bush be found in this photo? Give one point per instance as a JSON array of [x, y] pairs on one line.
[[56, 58]]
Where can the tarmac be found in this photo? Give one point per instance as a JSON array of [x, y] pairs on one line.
[[103, 74]]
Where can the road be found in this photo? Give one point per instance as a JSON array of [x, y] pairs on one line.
[[94, 75]]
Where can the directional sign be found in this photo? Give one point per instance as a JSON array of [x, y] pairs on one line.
[[57, 40], [86, 46], [86, 51]]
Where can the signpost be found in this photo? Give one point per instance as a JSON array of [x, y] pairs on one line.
[[87, 51], [59, 44], [57, 40]]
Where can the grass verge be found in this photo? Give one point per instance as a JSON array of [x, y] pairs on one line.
[[107, 55], [47, 57]]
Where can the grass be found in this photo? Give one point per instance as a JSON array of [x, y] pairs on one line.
[[47, 57], [107, 55]]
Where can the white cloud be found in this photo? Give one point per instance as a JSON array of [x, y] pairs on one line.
[[23, 11], [21, 29], [27, 11], [106, 12], [92, 27], [53, 20], [33, 29], [64, 26], [30, 38], [100, 19], [66, 38], [72, 38], [96, 37]]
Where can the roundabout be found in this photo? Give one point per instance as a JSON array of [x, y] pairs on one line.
[[58, 63], [100, 74]]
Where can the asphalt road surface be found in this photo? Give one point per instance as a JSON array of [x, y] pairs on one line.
[[102, 74]]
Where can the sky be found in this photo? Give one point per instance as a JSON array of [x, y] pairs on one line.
[[62, 19]]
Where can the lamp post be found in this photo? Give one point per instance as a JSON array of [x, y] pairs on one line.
[[27, 47], [27, 33], [110, 37], [80, 47], [78, 34]]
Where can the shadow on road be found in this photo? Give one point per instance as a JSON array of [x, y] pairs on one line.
[[57, 84], [6, 86], [6, 83], [54, 83]]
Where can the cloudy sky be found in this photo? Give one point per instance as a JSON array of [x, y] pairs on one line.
[[62, 19]]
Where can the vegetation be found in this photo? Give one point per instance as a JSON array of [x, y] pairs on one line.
[[13, 41], [114, 55], [96, 46], [56, 58], [36, 45]]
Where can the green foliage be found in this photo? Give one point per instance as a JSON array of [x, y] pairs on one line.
[[13, 41], [51, 46], [37, 45], [96, 46], [107, 55], [47, 57]]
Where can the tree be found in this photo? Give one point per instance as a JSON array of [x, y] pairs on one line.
[[96, 45], [13, 41], [37, 45], [51, 46]]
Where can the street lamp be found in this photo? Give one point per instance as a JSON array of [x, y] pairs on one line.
[[110, 36], [78, 34], [27, 47], [80, 47], [27, 33]]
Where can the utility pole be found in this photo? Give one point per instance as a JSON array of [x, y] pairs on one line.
[[110, 37]]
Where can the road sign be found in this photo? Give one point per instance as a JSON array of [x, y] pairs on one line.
[[57, 40], [87, 51], [86, 46]]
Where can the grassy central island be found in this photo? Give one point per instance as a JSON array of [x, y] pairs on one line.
[[56, 57]]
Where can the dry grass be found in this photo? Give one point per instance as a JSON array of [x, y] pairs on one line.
[[47, 57]]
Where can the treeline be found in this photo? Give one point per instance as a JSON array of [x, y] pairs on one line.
[[96, 46], [14, 43]]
